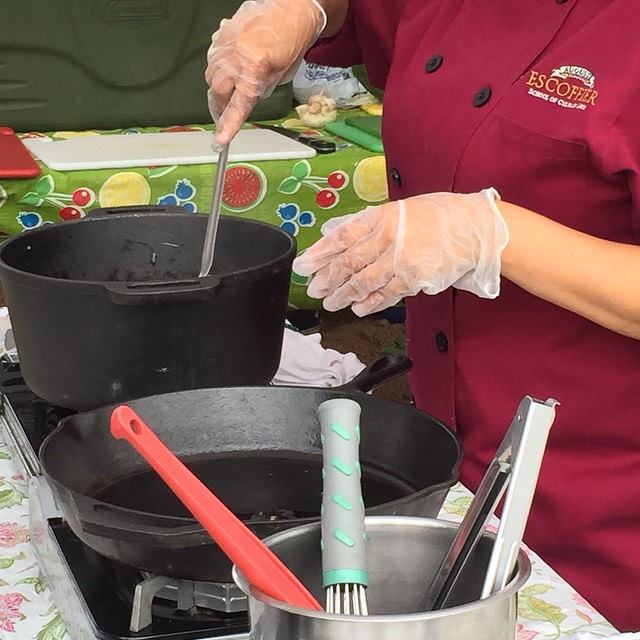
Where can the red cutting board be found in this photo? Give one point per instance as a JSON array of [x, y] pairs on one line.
[[15, 159]]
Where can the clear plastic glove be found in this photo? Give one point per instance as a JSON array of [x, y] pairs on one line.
[[426, 243], [332, 223], [254, 51]]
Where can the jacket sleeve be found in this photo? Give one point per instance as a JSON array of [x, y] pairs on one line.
[[341, 50], [367, 37], [617, 149]]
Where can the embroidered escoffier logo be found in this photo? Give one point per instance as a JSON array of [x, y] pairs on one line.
[[567, 86], [575, 73]]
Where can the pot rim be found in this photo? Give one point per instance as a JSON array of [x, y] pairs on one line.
[[215, 279], [512, 588]]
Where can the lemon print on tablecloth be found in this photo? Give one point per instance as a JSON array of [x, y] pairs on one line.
[[124, 189], [370, 179]]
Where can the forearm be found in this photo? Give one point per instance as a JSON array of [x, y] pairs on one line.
[[594, 278], [336, 11]]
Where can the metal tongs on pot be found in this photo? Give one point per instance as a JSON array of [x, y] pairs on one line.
[[214, 215], [516, 465]]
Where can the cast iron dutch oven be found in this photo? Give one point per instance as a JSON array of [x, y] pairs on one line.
[[110, 307], [258, 449]]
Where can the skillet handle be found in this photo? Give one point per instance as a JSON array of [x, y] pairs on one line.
[[379, 372]]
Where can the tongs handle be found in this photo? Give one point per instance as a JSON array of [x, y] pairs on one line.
[[533, 421], [476, 518], [521, 450]]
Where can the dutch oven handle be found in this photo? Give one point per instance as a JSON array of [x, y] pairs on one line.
[[378, 373], [109, 523], [141, 208], [143, 293], [173, 291]]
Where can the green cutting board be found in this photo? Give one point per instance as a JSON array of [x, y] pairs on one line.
[[369, 124], [355, 135]]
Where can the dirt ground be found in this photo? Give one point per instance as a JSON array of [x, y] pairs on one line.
[[368, 339]]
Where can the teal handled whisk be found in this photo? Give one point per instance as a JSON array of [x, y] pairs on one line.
[[344, 541]]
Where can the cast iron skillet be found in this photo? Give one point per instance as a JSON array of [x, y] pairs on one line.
[[258, 448]]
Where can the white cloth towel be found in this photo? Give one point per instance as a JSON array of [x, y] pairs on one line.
[[5, 325], [306, 363]]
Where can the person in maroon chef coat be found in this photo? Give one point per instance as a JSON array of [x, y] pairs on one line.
[[512, 138]]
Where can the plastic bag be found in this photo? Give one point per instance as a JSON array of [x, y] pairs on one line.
[[334, 82]]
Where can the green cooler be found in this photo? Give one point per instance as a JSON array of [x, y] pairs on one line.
[[89, 64]]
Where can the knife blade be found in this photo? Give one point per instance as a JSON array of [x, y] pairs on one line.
[[320, 145]]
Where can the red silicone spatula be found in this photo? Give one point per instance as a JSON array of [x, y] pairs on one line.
[[262, 568]]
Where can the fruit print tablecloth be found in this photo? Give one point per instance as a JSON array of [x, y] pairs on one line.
[[296, 195]]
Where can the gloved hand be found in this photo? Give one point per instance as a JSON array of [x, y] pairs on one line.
[[426, 243], [259, 47]]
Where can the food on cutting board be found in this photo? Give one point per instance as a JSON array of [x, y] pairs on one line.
[[318, 111]]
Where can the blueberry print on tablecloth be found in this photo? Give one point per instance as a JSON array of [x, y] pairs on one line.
[[183, 194], [31, 220], [292, 218]]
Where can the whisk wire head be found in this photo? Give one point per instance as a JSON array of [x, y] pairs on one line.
[[347, 599]]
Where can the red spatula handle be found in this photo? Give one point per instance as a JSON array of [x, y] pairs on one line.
[[258, 563]]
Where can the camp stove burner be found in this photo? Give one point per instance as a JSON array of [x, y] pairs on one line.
[[188, 597], [149, 595]]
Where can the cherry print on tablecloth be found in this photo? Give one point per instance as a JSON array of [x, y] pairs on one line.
[[72, 205], [327, 188]]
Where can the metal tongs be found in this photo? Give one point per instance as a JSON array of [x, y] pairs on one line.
[[516, 465]]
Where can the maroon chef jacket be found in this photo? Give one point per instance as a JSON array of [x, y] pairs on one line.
[[541, 100]]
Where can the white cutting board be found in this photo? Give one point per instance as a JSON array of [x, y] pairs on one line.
[[161, 149]]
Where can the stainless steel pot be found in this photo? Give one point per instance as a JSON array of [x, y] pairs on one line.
[[403, 557]]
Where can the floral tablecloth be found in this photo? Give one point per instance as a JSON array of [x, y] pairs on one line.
[[26, 608], [548, 606], [296, 195]]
